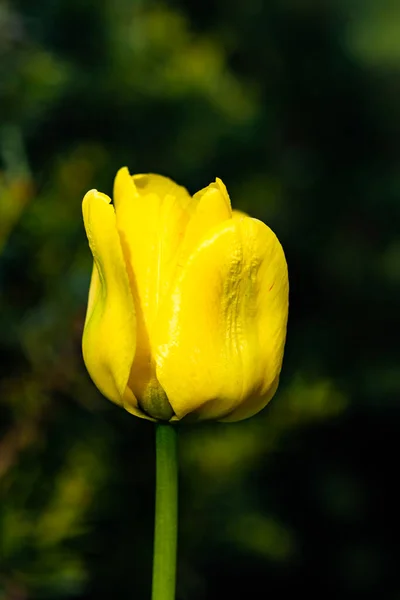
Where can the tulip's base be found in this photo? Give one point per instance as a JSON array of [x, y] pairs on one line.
[[166, 513]]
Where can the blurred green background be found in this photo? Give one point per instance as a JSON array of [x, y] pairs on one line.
[[295, 104]]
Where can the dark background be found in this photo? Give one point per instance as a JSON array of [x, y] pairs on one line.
[[295, 104]]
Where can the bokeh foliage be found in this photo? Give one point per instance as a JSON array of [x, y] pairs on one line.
[[295, 104]]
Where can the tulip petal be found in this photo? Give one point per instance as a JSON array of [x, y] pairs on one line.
[[252, 405], [150, 183], [220, 333], [109, 338], [152, 214], [212, 206]]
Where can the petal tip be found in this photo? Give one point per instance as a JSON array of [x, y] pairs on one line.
[[94, 195], [124, 170], [124, 186], [122, 175]]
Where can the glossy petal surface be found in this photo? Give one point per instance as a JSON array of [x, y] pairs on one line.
[[220, 333]]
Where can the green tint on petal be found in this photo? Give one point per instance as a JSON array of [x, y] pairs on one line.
[[109, 338], [220, 333]]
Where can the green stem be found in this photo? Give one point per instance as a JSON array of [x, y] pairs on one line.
[[166, 514]]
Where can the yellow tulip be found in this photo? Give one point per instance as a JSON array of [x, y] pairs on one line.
[[188, 301]]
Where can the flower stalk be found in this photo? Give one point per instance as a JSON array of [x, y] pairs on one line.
[[166, 513]]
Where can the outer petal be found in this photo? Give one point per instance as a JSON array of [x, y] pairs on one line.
[[252, 405], [221, 332], [109, 337]]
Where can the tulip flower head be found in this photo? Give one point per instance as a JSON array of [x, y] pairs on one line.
[[188, 301]]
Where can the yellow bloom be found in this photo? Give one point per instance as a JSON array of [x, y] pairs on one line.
[[188, 301]]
